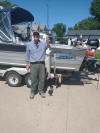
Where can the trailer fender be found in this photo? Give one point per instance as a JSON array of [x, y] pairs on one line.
[[21, 71]]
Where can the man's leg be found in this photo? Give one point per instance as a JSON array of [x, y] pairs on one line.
[[41, 79], [34, 78]]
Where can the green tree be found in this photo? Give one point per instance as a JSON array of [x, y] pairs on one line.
[[88, 24], [70, 28], [7, 3], [95, 9], [59, 29], [91, 23]]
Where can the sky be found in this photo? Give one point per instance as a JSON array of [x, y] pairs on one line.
[[68, 12]]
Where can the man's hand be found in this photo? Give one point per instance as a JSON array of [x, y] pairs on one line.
[[27, 66]]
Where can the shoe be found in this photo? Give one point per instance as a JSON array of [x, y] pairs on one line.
[[42, 95], [32, 96]]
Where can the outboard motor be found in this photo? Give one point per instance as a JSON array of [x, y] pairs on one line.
[[92, 44], [91, 64]]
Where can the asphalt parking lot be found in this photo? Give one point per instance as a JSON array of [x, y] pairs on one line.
[[73, 108]]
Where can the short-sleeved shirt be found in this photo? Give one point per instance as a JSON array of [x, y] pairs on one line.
[[34, 53]]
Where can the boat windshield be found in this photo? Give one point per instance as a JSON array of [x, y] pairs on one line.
[[6, 33], [9, 18]]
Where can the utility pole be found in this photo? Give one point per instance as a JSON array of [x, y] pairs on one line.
[[47, 5]]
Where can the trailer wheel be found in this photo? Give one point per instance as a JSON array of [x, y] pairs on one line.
[[13, 79], [28, 80]]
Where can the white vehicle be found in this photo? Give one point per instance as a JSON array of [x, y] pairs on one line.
[[43, 36]]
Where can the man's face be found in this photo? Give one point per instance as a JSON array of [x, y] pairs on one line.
[[36, 38]]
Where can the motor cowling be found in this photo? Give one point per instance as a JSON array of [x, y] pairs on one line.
[[93, 43]]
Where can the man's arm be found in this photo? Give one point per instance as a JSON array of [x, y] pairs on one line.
[[48, 42]]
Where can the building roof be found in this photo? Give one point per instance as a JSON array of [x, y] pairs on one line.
[[84, 32]]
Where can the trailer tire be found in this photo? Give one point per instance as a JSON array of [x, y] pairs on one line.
[[13, 79], [28, 80]]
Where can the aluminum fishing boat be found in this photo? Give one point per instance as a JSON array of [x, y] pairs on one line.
[[64, 57]]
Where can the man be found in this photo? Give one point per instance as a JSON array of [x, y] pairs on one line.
[[35, 58]]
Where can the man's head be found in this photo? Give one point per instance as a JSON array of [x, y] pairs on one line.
[[36, 36]]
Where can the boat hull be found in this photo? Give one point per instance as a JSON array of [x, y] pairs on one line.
[[67, 59], [63, 59], [12, 54]]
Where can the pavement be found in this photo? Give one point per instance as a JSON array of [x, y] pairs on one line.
[[73, 108]]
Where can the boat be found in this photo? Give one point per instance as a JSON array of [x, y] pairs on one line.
[[13, 45], [64, 57]]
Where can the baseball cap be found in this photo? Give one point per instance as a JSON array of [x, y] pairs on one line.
[[36, 33]]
